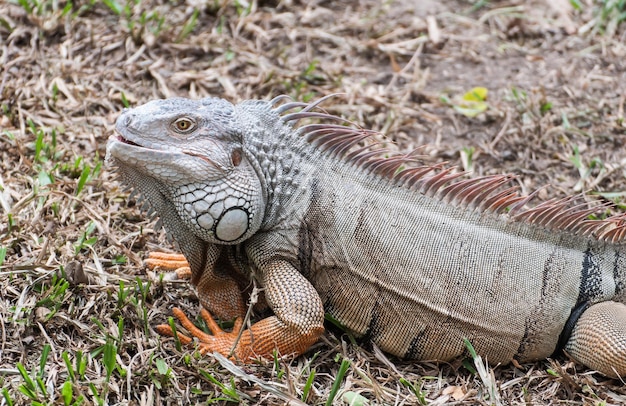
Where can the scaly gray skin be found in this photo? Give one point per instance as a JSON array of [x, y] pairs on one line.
[[412, 260]]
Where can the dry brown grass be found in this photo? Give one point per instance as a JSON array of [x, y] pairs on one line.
[[64, 79]]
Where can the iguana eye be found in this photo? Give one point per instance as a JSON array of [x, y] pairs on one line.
[[184, 125]]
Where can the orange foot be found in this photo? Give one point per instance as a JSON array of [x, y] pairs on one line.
[[169, 262], [220, 340], [265, 338]]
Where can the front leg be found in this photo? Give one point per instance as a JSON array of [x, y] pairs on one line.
[[296, 325], [218, 291], [299, 314]]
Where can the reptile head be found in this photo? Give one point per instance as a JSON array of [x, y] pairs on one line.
[[185, 157]]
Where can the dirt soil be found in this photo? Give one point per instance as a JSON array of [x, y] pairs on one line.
[[78, 307]]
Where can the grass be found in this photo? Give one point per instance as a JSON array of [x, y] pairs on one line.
[[77, 309], [608, 16]]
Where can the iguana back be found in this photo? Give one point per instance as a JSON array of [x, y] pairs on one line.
[[417, 276], [410, 257]]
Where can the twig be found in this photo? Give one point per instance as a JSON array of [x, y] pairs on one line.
[[505, 126], [254, 298]]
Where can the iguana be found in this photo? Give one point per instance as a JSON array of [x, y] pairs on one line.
[[411, 257]]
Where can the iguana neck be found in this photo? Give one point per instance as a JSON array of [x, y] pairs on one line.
[[283, 164]]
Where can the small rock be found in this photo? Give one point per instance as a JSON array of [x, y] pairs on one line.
[[75, 274], [508, 155]]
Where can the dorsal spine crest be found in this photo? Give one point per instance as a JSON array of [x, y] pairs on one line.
[[347, 142]]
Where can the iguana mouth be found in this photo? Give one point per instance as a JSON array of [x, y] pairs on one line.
[[120, 138], [123, 140]]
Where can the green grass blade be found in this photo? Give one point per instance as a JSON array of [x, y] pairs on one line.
[[308, 385], [82, 180], [7, 397], [345, 364], [3, 254], [43, 359], [67, 393]]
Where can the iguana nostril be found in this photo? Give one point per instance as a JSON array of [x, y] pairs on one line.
[[124, 120]]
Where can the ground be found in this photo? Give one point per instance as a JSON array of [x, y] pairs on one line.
[[77, 306]]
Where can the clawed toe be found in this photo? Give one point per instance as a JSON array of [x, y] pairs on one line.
[[166, 261], [169, 262], [219, 340], [166, 330]]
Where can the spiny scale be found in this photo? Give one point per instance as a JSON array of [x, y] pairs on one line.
[[483, 193]]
